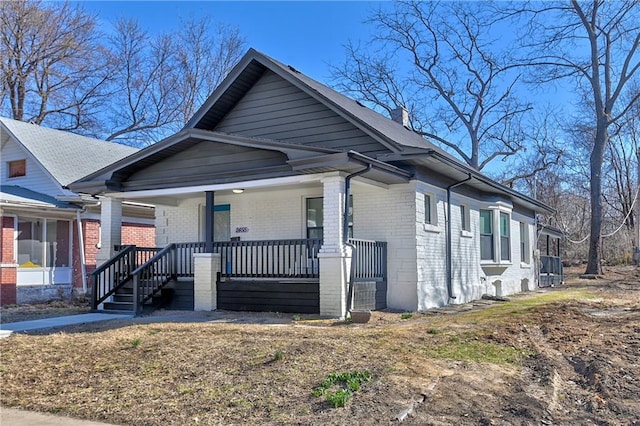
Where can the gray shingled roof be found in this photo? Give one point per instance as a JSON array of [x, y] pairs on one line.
[[67, 156]]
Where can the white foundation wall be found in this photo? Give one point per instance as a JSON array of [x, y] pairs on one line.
[[264, 215], [388, 214]]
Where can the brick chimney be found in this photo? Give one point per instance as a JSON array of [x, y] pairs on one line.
[[400, 115]]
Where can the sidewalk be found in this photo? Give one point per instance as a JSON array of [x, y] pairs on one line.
[[13, 417], [55, 322]]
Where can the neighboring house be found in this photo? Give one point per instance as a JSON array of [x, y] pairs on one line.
[[251, 198], [42, 245]]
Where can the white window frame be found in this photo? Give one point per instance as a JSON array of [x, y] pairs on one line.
[[525, 245], [430, 221], [465, 221], [496, 211]]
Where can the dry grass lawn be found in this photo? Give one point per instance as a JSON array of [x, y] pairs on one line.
[[561, 356]]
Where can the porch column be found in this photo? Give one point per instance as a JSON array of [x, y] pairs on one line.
[[110, 228], [334, 256], [205, 281], [209, 220]]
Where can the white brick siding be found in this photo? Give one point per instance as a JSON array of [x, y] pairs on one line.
[[417, 269]]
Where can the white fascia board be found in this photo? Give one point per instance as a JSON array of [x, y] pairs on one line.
[[263, 183]]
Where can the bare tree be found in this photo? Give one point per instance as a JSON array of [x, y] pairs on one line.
[[439, 60], [205, 56], [144, 84], [51, 63], [595, 44], [159, 81]]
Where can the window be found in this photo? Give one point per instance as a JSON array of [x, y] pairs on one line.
[[315, 217], [465, 219], [430, 210], [505, 249], [43, 243], [486, 235], [524, 243], [17, 168]]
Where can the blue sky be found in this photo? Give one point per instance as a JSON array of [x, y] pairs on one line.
[[307, 35]]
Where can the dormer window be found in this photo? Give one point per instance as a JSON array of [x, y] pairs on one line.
[[17, 168]]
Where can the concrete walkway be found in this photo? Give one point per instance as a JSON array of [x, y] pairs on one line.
[[13, 417], [55, 322]]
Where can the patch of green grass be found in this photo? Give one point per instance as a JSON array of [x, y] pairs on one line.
[[433, 331], [278, 356], [406, 315], [345, 384], [477, 351], [519, 308], [136, 342]]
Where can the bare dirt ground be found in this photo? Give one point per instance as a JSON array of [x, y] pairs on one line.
[[569, 355]]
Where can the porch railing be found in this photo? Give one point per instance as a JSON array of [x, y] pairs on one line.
[[368, 274], [369, 259], [112, 275], [551, 271], [269, 259]]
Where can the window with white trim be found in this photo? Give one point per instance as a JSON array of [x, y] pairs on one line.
[[505, 235], [495, 236], [465, 218], [43, 243], [430, 210], [486, 235], [525, 255]]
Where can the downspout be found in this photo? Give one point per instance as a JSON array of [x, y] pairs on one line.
[[449, 243], [83, 266], [345, 229]]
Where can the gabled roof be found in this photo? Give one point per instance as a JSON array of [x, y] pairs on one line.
[[66, 156], [250, 69], [406, 148]]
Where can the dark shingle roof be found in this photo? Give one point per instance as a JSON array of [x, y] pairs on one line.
[[67, 156]]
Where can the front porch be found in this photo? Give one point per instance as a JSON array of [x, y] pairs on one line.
[[272, 275]]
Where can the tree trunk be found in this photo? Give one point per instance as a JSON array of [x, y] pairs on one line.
[[595, 181]]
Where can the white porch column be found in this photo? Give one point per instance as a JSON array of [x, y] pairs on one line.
[[206, 269], [334, 256], [110, 228]]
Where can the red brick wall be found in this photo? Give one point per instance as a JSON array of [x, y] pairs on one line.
[[138, 235], [8, 274], [132, 233]]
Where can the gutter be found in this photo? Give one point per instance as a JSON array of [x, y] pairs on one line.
[[345, 230], [449, 243], [83, 266]]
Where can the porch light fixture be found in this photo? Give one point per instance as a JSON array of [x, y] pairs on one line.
[[237, 191]]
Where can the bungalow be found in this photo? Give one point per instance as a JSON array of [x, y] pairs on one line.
[[50, 235], [282, 194]]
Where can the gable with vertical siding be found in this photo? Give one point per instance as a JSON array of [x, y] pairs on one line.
[[275, 109]]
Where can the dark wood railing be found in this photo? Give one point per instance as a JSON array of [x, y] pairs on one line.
[[551, 271], [269, 259], [112, 275], [152, 268], [369, 259], [153, 275]]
